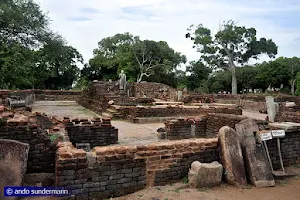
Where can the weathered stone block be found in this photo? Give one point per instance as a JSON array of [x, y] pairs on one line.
[[205, 174]]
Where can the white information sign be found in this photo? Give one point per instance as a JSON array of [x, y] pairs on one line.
[[266, 136], [278, 133]]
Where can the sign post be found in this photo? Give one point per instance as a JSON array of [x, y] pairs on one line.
[[279, 134]]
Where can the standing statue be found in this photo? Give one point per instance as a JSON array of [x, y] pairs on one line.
[[122, 81]]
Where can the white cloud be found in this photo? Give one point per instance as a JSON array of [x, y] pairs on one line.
[[168, 21]]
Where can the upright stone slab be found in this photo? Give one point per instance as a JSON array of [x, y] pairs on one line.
[[257, 166], [13, 163], [271, 108], [231, 157]]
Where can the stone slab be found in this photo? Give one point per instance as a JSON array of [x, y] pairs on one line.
[[257, 166], [231, 157], [271, 108], [13, 163]]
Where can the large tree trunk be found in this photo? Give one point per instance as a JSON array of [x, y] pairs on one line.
[[139, 79], [233, 81], [293, 87]]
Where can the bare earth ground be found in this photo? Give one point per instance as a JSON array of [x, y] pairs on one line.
[[129, 133], [62, 109], [254, 114], [286, 190]]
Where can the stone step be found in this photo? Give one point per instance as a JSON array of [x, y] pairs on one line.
[[111, 110], [112, 115]]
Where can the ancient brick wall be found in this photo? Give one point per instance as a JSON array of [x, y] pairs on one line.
[[94, 105], [179, 111], [182, 128], [96, 133], [290, 149], [205, 126], [253, 102], [41, 157], [31, 95], [101, 174], [288, 117], [27, 95], [99, 93], [57, 95], [155, 91], [118, 170], [216, 121]]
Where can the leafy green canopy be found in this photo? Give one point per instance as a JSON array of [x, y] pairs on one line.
[[31, 55], [232, 45], [140, 59]]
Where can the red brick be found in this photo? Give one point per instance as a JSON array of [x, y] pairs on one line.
[[121, 150]]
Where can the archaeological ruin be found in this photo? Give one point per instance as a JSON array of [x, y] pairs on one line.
[[208, 136]]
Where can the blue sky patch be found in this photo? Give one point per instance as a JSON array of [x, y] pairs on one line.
[[284, 19], [90, 10], [142, 10], [79, 19]]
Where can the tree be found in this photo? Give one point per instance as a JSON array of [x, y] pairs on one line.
[[150, 55], [247, 78], [272, 74], [232, 45], [198, 73], [112, 54], [140, 59], [293, 66], [31, 55], [219, 81], [298, 84], [23, 22], [59, 62], [16, 65]]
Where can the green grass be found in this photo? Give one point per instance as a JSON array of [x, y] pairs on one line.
[[54, 137], [296, 166], [248, 186], [185, 180], [176, 190], [283, 182]]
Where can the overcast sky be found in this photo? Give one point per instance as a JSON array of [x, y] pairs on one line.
[[84, 23]]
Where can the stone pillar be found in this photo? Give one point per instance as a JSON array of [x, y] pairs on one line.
[[271, 108], [179, 95]]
